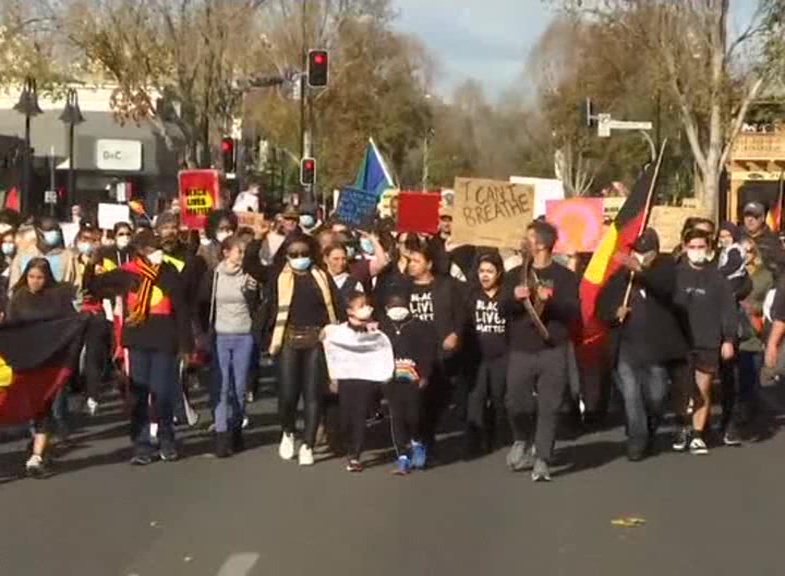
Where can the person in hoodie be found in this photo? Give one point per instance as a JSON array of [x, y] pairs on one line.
[[157, 332], [732, 261], [769, 245], [435, 301], [488, 349], [647, 337], [538, 364], [49, 244], [415, 350], [708, 307], [232, 297]]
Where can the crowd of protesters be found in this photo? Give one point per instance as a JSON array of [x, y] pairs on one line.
[[490, 336]]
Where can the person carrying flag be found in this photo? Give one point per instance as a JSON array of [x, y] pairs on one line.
[[156, 330]]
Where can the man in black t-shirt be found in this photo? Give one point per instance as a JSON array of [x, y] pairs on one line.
[[538, 364]]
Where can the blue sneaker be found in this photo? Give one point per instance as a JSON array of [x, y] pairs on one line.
[[419, 456], [404, 465]]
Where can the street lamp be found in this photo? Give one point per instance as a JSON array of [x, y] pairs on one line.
[[27, 105], [72, 116]]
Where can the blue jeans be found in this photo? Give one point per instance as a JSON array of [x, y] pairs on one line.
[[153, 374], [234, 359], [644, 389]]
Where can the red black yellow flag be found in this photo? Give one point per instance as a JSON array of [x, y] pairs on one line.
[[36, 361]]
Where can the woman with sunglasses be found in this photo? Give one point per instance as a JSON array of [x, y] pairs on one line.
[[303, 301]]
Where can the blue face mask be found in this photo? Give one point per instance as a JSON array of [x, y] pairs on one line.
[[51, 237], [9, 248], [366, 245], [307, 221], [301, 263], [84, 248]]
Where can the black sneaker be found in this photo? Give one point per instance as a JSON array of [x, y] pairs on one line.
[[223, 448], [731, 436], [354, 466], [682, 439], [141, 460], [169, 454], [238, 442]]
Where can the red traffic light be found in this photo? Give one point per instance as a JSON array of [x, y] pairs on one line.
[[319, 59], [318, 68], [227, 145], [308, 171], [308, 165]]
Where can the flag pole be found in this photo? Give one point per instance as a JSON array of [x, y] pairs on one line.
[[646, 213], [779, 200]]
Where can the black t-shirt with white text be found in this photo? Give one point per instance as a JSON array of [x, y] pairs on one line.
[[489, 325], [421, 302]]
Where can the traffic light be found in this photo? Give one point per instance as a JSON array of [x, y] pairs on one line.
[[318, 66], [307, 171], [227, 153]]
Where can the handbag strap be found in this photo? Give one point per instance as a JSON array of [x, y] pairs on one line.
[[212, 298]]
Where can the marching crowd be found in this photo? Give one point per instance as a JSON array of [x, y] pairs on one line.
[[495, 333]]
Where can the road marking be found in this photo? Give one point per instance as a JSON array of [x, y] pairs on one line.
[[238, 565]]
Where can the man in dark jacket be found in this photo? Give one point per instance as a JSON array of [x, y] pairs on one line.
[[647, 337], [769, 245]]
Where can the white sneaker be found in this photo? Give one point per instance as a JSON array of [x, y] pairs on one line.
[[35, 465], [286, 449], [92, 406], [306, 456], [245, 422]]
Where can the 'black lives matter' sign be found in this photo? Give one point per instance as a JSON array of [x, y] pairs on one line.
[[491, 212]]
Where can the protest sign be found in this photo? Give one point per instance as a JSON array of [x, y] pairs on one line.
[[356, 206], [491, 212], [111, 214], [611, 206], [70, 230], [579, 222], [545, 189], [418, 212], [248, 219], [668, 222], [199, 194], [353, 355]]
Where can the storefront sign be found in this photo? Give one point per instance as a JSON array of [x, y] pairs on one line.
[[118, 155]]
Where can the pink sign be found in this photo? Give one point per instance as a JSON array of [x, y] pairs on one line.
[[579, 222]]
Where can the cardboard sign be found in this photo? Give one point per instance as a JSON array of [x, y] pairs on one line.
[[418, 212], [356, 206], [247, 219], [491, 212], [70, 230], [200, 192], [611, 206], [668, 222], [111, 214], [579, 222]]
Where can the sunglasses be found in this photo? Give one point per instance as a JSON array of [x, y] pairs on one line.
[[298, 254]]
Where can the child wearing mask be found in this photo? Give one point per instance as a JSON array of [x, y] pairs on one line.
[[49, 245], [415, 349], [732, 258], [359, 357]]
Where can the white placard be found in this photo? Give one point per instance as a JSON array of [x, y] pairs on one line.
[[70, 230], [125, 155], [544, 189], [50, 197], [111, 214], [353, 355]]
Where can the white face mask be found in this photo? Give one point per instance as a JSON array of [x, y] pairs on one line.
[[123, 241], [398, 313], [156, 257], [364, 313], [222, 235], [205, 241], [697, 255]]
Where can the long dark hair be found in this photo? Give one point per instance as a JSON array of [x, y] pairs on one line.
[[40, 264]]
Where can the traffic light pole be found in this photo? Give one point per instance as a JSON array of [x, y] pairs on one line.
[[307, 190]]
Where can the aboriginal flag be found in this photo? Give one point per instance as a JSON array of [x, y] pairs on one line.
[[618, 239], [36, 361]]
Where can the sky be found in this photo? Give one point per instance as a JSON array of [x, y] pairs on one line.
[[488, 40]]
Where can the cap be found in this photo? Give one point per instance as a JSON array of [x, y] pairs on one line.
[[754, 209], [647, 242], [291, 213]]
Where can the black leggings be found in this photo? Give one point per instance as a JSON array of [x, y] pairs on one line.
[[489, 384], [98, 342], [301, 372], [405, 401], [355, 397]]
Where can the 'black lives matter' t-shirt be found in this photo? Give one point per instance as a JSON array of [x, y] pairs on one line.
[[489, 325], [421, 302]]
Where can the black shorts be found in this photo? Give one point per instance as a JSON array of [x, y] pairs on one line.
[[705, 360]]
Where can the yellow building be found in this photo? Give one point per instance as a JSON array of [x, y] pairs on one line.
[[755, 169]]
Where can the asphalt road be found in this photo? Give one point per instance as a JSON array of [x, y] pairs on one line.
[[254, 515]]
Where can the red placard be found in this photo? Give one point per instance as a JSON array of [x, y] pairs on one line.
[[200, 192], [579, 222], [418, 212]]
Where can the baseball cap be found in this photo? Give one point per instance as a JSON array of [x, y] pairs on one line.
[[754, 209]]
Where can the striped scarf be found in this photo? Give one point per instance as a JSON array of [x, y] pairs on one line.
[[285, 295], [141, 308]]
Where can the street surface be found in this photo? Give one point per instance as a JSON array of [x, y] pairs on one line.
[[254, 515]]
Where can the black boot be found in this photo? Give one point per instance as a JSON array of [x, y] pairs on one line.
[[223, 447], [238, 443]]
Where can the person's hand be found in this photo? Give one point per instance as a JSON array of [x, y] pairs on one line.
[[622, 313], [334, 386], [261, 228], [727, 351], [522, 293], [423, 383], [451, 342], [629, 261], [544, 293]]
